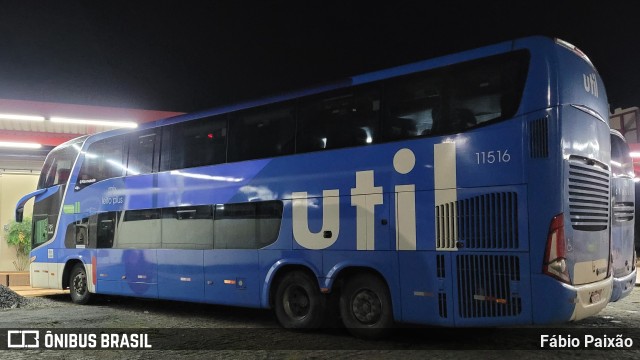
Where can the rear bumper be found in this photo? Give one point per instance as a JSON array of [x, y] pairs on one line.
[[622, 286], [591, 298], [569, 302]]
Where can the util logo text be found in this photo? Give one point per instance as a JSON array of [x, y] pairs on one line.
[[365, 196]]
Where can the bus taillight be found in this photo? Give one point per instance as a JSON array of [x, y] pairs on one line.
[[555, 263]]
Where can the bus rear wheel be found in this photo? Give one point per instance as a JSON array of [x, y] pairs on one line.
[[299, 304], [365, 306], [78, 286]]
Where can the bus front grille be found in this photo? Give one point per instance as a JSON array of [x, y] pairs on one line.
[[588, 190]]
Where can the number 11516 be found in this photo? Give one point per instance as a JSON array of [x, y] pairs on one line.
[[495, 156]]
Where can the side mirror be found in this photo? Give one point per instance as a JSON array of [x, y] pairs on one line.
[[21, 202]]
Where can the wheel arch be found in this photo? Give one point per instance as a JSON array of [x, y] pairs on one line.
[[89, 267], [343, 271], [68, 267], [277, 271]]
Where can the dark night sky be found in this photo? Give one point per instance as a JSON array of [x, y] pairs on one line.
[[174, 56]]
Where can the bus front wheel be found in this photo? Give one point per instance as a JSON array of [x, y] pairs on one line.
[[78, 286], [365, 306], [299, 304]]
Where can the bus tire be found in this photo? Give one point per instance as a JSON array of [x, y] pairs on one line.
[[78, 286], [365, 307], [299, 304]]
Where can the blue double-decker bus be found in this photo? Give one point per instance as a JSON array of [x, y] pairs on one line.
[[466, 190]]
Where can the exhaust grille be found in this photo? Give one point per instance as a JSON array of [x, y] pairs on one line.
[[588, 195], [446, 227], [623, 211], [442, 305], [488, 221], [440, 267], [539, 138], [485, 286], [442, 296]]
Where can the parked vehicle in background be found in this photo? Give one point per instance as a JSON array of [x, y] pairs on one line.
[[623, 252]]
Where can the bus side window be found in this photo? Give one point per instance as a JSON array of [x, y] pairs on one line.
[[268, 218], [234, 226], [458, 120], [139, 229], [261, 133], [103, 160], [489, 90], [412, 107], [339, 120], [102, 229], [187, 227], [142, 159], [192, 144], [246, 225], [86, 232]]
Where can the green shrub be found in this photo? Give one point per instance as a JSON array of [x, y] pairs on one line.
[[18, 235]]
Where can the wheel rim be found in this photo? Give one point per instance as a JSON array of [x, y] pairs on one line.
[[80, 283], [366, 307], [296, 302]]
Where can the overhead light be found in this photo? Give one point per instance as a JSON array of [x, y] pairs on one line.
[[21, 117], [112, 123], [19, 145]]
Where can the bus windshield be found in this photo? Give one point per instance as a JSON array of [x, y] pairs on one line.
[[58, 165]]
